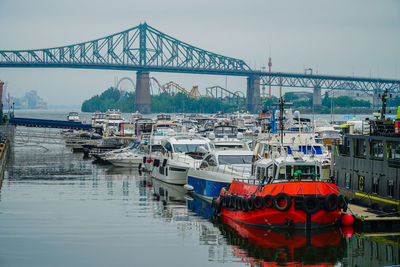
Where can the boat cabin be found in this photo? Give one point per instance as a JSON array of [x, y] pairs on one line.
[[287, 168], [186, 144], [229, 160]]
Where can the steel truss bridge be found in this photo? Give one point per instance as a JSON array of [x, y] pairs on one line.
[[146, 49]]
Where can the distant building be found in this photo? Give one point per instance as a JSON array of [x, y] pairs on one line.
[[30, 100]]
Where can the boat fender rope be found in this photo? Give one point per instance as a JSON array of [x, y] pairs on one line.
[[277, 200], [258, 202], [268, 201], [342, 203], [310, 204], [331, 202]]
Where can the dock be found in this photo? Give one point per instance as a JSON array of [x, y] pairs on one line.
[[368, 221]]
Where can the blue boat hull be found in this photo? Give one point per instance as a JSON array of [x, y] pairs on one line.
[[206, 188]]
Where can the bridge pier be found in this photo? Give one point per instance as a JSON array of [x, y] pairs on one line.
[[253, 94], [142, 96], [317, 97]]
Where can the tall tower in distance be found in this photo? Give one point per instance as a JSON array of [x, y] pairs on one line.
[[269, 70]]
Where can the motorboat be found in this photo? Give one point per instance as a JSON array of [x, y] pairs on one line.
[[326, 134], [287, 192], [179, 153], [98, 119], [113, 122], [73, 116], [159, 131], [130, 157], [217, 170]]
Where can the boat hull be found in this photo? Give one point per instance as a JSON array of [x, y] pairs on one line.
[[296, 205], [131, 163], [207, 184], [172, 174]]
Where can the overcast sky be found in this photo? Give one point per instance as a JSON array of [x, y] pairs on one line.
[[341, 37]]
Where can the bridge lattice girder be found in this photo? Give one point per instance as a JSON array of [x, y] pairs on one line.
[[143, 48], [140, 48], [369, 85]]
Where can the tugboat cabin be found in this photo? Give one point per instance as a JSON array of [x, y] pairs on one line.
[[366, 167]]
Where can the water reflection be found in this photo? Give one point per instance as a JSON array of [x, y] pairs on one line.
[[139, 213], [260, 247]]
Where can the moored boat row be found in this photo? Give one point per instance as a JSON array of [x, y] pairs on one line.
[[258, 176]]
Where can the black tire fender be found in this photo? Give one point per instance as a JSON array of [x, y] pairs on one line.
[[258, 202], [331, 202], [282, 196], [244, 204], [310, 204], [268, 201], [250, 203]]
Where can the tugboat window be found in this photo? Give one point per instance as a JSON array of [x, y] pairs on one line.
[[393, 150], [375, 186], [360, 148], [377, 150], [390, 188], [347, 180]]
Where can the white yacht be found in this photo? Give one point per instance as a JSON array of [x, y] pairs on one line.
[[73, 116], [159, 131], [179, 153], [131, 156], [217, 170], [113, 122], [98, 119]]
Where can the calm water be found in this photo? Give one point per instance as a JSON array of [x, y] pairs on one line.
[[57, 209]]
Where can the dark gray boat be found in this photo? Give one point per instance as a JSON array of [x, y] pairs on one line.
[[366, 166]]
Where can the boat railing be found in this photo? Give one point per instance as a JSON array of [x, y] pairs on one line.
[[226, 169], [248, 180]]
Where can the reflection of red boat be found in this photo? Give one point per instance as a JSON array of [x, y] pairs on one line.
[[293, 197], [293, 248]]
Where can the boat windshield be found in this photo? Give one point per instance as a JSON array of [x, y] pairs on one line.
[[235, 159], [332, 135], [229, 146], [299, 172], [184, 148]]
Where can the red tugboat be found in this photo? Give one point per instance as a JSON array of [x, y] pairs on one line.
[[286, 192]]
